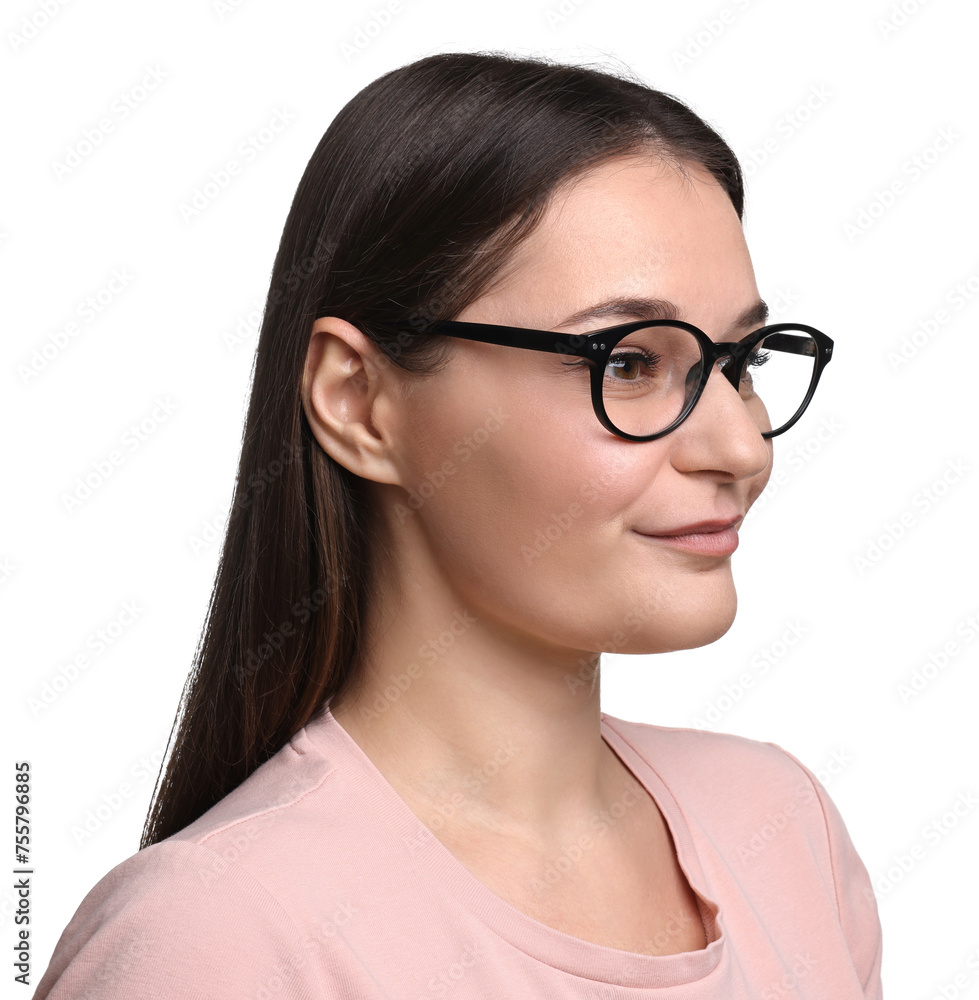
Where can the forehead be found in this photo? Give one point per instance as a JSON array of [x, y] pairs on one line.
[[635, 226]]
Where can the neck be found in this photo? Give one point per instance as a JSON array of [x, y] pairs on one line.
[[479, 725]]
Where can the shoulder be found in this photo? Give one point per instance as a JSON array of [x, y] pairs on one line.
[[287, 788], [715, 762], [759, 816], [161, 924], [737, 792], [211, 909], [266, 827]]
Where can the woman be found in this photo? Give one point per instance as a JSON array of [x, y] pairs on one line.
[[391, 776]]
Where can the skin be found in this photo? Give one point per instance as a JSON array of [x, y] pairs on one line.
[[518, 681]]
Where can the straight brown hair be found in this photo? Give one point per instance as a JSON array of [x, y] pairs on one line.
[[412, 203]]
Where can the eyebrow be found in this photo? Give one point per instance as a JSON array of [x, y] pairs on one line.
[[644, 308]]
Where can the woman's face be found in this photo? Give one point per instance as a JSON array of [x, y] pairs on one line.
[[532, 514]]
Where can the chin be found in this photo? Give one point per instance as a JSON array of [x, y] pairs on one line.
[[705, 636], [691, 619]]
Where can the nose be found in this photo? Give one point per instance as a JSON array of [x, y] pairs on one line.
[[720, 435]]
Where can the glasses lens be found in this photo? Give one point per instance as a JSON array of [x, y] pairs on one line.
[[653, 373], [649, 378], [777, 377]]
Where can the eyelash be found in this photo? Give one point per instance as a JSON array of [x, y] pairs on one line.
[[754, 360], [649, 359]]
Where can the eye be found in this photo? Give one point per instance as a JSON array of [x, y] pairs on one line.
[[649, 358], [624, 359], [755, 360]]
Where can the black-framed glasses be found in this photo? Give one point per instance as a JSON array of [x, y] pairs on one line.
[[647, 375]]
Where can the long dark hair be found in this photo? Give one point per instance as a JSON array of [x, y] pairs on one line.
[[413, 201]]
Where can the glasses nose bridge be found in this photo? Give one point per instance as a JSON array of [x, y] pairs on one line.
[[733, 352]]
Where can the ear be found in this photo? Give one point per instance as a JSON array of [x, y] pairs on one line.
[[349, 398]]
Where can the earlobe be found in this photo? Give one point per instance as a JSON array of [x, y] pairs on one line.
[[346, 397]]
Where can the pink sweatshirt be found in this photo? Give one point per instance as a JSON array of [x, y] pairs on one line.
[[314, 879]]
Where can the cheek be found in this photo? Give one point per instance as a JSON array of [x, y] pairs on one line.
[[526, 520], [511, 460], [532, 526], [519, 488]]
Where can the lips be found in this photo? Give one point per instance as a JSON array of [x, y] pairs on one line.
[[714, 539], [700, 528]]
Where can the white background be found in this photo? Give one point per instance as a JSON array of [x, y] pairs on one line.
[[878, 435]]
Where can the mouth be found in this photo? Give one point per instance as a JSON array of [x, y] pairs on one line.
[[714, 538]]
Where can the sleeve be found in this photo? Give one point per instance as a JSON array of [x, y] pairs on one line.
[[178, 921], [856, 902]]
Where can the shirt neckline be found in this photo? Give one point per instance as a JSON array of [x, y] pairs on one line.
[[427, 856]]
